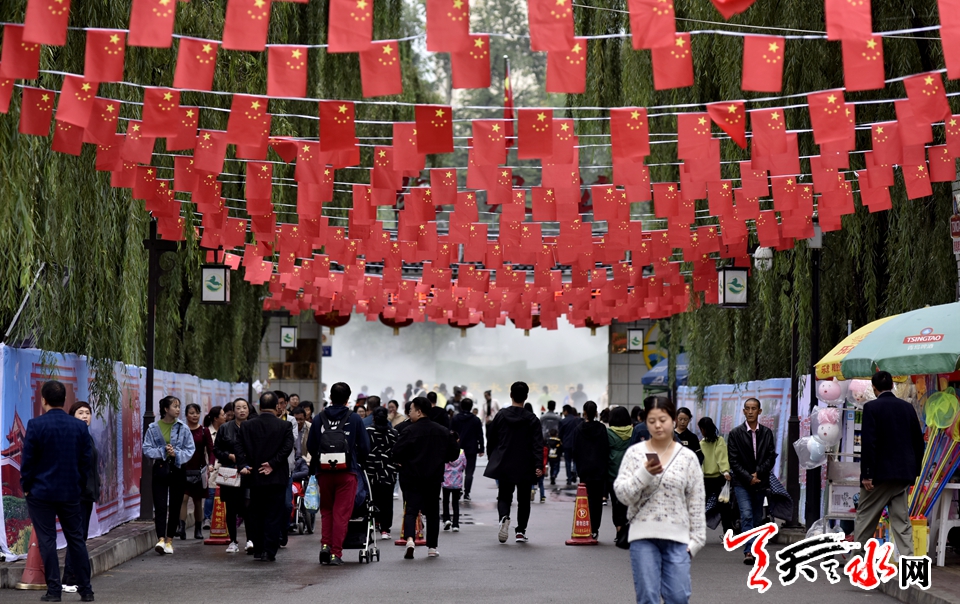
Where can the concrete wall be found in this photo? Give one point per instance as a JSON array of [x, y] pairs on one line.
[[271, 354], [627, 369]]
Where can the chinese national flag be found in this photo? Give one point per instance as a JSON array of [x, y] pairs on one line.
[[210, 152], [763, 63], [6, 93], [950, 40], [673, 65], [406, 159], [952, 127], [943, 166], [19, 60], [848, 19], [350, 28], [567, 69], [151, 23], [67, 138], [443, 184], [551, 24], [161, 112], [827, 116], [246, 25], [76, 101], [137, 148], [287, 71], [46, 22], [337, 126], [184, 176], [732, 119], [887, 149], [917, 181], [36, 111], [652, 23], [259, 183], [535, 132], [927, 98], [471, 67], [629, 132], [448, 25], [187, 119], [693, 134], [103, 60], [434, 129], [102, 127], [246, 123], [196, 62], [769, 133], [489, 142], [863, 64], [380, 69]]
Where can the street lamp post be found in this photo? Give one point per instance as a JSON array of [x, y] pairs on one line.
[[815, 243]]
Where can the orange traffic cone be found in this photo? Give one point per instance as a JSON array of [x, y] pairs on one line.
[[418, 539], [581, 520], [218, 524], [33, 575]]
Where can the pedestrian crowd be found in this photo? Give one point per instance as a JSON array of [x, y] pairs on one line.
[[663, 484]]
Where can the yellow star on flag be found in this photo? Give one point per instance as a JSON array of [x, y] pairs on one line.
[[114, 39], [296, 53], [478, 43], [871, 44], [387, 49]]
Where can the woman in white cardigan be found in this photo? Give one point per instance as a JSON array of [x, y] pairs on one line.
[[662, 483]]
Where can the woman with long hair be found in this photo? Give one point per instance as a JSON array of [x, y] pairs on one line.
[[226, 448], [716, 468], [91, 493], [662, 484], [169, 443], [197, 469], [212, 421]]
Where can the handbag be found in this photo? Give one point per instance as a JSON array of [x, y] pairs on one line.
[[228, 477], [311, 498], [724, 496], [623, 536], [197, 478]]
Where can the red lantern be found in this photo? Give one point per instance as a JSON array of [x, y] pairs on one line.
[[535, 322], [395, 324], [332, 319], [463, 328], [593, 325]]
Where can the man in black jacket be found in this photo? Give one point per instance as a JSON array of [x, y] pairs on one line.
[[567, 427], [437, 414], [751, 449], [421, 451], [265, 445], [470, 430], [515, 444], [890, 461]]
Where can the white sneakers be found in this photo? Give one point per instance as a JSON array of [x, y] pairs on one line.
[[168, 548], [69, 589], [159, 547], [447, 525], [233, 548], [411, 545], [385, 536], [522, 538], [433, 553], [504, 529], [249, 546], [456, 529]]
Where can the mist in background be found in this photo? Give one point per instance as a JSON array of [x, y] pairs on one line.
[[368, 354]]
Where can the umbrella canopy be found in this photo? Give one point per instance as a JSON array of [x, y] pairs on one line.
[[829, 366], [926, 340], [658, 375]]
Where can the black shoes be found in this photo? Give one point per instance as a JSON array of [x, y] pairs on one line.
[[197, 532], [325, 554], [86, 597], [748, 559], [49, 598], [335, 561], [466, 497], [265, 557], [182, 531]]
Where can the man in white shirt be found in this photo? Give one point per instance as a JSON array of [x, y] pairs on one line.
[[489, 408]]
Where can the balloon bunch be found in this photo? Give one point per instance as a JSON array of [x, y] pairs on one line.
[[825, 433], [942, 455]]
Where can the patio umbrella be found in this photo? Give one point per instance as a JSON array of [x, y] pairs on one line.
[[923, 341], [829, 366]]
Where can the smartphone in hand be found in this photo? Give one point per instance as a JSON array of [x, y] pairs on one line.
[[653, 457]]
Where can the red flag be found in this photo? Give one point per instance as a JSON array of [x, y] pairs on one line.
[[943, 166], [19, 60], [729, 8], [673, 65], [103, 60], [551, 24], [535, 132], [137, 148], [350, 28], [763, 63], [246, 119], [693, 133], [471, 67], [160, 112], [443, 185], [184, 176], [732, 119], [848, 19], [887, 149], [769, 133], [102, 127], [380, 69], [67, 138], [246, 24], [927, 98], [448, 25], [151, 23], [210, 152], [196, 62], [337, 126], [187, 119], [287, 71], [406, 158], [652, 23], [863, 64], [567, 69], [952, 127], [259, 181], [489, 142], [76, 101], [629, 132], [827, 116], [36, 111], [917, 181], [508, 102], [6, 93], [46, 22], [434, 129]]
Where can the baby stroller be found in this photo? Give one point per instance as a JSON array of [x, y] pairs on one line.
[[301, 518], [361, 530]]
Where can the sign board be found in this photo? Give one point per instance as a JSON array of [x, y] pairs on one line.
[[634, 340], [288, 337], [732, 285], [215, 284], [327, 351]]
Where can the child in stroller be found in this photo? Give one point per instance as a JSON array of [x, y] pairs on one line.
[[301, 519]]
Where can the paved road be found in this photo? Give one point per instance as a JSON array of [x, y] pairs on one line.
[[473, 567]]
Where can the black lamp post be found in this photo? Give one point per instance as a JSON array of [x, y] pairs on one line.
[[813, 505]]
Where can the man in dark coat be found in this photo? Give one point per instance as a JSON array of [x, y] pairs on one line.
[[470, 430], [515, 445], [567, 427], [890, 461], [421, 452], [265, 444], [751, 449], [57, 450], [437, 414]]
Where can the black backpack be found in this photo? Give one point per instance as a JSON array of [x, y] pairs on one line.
[[334, 452]]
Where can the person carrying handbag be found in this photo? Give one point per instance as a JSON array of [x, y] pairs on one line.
[[197, 471], [169, 443], [226, 448]]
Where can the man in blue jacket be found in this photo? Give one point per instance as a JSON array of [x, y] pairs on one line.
[[56, 458], [890, 461], [337, 482]]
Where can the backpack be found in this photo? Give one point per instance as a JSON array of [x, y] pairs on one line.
[[334, 445]]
